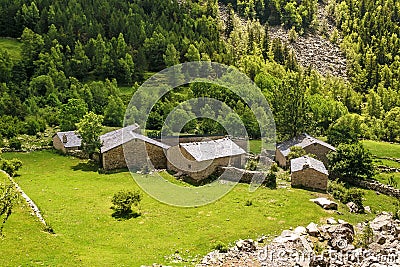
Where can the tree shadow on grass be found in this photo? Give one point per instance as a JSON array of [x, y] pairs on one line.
[[124, 215], [89, 166]]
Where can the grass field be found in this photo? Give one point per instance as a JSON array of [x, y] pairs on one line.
[[12, 46], [382, 149], [76, 200]]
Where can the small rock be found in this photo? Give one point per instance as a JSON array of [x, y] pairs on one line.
[[325, 203], [352, 207], [331, 221], [300, 230], [367, 209]]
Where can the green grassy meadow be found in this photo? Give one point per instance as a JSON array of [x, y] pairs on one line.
[[75, 200], [12, 46]]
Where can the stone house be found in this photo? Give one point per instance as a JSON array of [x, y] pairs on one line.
[[310, 144], [126, 145], [309, 173], [199, 160], [67, 141]]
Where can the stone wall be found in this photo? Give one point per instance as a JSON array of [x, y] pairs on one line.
[[246, 176], [58, 144], [377, 186], [137, 153], [319, 151], [280, 159], [310, 178]]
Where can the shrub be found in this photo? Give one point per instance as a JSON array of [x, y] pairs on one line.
[[251, 165], [8, 197], [15, 143], [345, 195], [274, 167], [365, 238], [10, 166], [123, 201], [270, 180], [221, 247], [351, 161]]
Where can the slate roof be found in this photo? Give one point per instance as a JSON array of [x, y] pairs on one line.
[[305, 162], [121, 136], [73, 140], [302, 140], [207, 150]]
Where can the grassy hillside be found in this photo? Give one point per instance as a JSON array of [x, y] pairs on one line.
[[12, 46], [76, 201]]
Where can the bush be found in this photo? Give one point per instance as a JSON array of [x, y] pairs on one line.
[[221, 247], [274, 167], [345, 195], [15, 143], [251, 165], [10, 166], [123, 201], [270, 180]]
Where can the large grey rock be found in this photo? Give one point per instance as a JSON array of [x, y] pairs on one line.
[[325, 203], [382, 222], [312, 229]]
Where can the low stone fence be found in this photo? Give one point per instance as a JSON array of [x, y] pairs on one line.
[[377, 186], [246, 176], [387, 169]]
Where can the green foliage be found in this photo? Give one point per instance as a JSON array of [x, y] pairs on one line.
[[123, 201], [270, 179], [114, 112], [15, 143], [351, 161], [90, 128], [10, 166], [296, 152], [71, 113], [345, 195], [8, 197], [221, 247], [392, 124], [251, 164], [365, 238], [346, 130]]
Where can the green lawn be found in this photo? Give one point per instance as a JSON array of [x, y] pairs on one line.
[[12, 46], [75, 201], [382, 149]]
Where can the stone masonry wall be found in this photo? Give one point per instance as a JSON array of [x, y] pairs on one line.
[[310, 178], [58, 144], [319, 151], [377, 186]]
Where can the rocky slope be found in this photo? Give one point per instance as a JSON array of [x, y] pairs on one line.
[[327, 245]]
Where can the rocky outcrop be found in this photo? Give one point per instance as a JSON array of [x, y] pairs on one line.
[[325, 203], [333, 244]]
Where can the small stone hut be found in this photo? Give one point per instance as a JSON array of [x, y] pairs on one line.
[[310, 144], [199, 160], [309, 173], [67, 141], [126, 145]]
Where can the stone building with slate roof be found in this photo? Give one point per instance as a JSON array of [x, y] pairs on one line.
[[310, 144], [199, 160], [128, 145], [67, 141], [308, 172]]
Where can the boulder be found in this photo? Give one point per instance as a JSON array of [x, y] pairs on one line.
[[247, 245], [331, 221], [367, 209], [382, 222], [325, 203], [312, 229], [300, 230], [353, 208]]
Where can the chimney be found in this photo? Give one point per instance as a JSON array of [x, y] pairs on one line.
[[307, 164], [64, 139]]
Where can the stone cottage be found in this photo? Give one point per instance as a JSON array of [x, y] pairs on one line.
[[309, 173], [127, 145], [66, 141], [310, 144], [199, 160]]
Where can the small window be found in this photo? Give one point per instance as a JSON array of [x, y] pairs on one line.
[[190, 166]]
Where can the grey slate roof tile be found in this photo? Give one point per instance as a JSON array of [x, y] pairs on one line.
[[73, 140], [302, 140], [213, 149], [304, 162]]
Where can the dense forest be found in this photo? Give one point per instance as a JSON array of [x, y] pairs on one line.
[[77, 55]]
